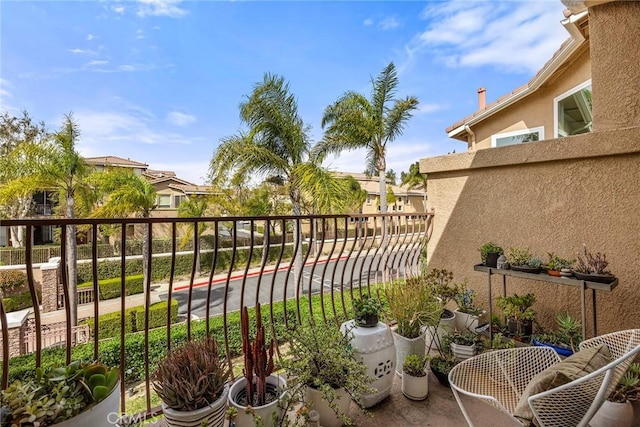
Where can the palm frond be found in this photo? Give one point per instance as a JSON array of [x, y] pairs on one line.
[[398, 116]]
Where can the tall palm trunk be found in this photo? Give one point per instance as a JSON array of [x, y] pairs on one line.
[[72, 276], [297, 238], [145, 250], [384, 244]]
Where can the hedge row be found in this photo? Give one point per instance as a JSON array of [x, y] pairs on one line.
[[23, 367], [110, 288], [109, 324], [19, 302], [161, 266]]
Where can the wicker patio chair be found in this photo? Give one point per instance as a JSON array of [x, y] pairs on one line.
[[500, 377]]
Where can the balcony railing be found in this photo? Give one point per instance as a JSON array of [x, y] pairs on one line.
[[244, 261]]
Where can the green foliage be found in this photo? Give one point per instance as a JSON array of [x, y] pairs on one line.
[[465, 338], [11, 280], [110, 288], [440, 283], [321, 357], [59, 394], [518, 256], [191, 376], [499, 342], [109, 324], [412, 304], [568, 334], [366, 306], [464, 300], [19, 302], [556, 263], [628, 388], [487, 248], [517, 307], [414, 365]]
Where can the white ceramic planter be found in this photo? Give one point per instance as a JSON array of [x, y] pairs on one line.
[[213, 414], [613, 414], [468, 322], [328, 417], [405, 346], [266, 411], [446, 326], [376, 350], [415, 388], [104, 413], [462, 352]]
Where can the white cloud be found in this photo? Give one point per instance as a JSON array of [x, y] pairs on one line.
[[367, 22], [160, 8], [4, 92], [95, 63], [118, 9], [513, 36], [77, 51], [195, 172], [429, 108], [180, 119], [91, 37], [389, 23], [140, 34]]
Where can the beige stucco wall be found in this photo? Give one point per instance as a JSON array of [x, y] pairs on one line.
[[550, 196], [536, 110]]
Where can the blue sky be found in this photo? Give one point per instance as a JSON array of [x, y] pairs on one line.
[[160, 81]]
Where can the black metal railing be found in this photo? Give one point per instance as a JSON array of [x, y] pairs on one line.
[[244, 261]]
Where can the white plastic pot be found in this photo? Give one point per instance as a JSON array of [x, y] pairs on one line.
[[405, 346], [415, 388], [463, 352], [265, 412], [328, 417]]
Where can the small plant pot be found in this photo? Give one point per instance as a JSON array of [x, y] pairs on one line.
[[554, 273], [276, 383], [463, 352], [492, 259], [468, 322], [443, 377], [213, 415], [367, 321], [520, 329], [415, 388], [599, 278]]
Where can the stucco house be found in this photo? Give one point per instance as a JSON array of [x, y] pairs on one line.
[[576, 182]]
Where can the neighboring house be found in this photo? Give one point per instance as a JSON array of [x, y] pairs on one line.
[[407, 200], [556, 102], [561, 192]]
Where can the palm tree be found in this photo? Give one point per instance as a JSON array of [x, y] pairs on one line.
[[125, 193], [193, 208], [275, 144], [354, 122], [414, 178]]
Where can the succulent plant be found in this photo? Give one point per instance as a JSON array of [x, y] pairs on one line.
[[592, 264], [534, 262], [414, 365], [519, 256], [191, 376], [258, 358], [57, 395], [557, 263]]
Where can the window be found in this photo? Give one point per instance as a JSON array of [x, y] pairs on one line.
[[517, 137], [368, 199], [164, 200], [572, 111], [178, 199]]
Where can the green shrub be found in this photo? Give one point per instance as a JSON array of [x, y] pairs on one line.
[[19, 302], [110, 288], [12, 279], [109, 324]]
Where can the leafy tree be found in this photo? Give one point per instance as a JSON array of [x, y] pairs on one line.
[[275, 144], [125, 193], [16, 133], [195, 207], [414, 178], [354, 121], [391, 177]]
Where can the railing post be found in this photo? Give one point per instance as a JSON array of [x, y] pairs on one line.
[[50, 285]]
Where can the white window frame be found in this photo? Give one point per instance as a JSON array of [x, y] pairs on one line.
[[563, 96], [164, 206], [539, 129]]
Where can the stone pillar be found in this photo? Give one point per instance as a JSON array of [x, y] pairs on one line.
[[50, 285], [615, 64], [15, 327]]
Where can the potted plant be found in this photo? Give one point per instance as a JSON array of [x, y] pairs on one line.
[[442, 363], [415, 382], [617, 409], [593, 268], [75, 395], [468, 316], [521, 259], [413, 305], [555, 265], [191, 382], [489, 252], [256, 395], [324, 373], [565, 340], [366, 311], [519, 313], [465, 345], [441, 284]]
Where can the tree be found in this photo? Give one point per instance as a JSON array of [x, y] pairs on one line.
[[195, 207], [354, 122], [275, 144], [125, 193], [391, 177], [414, 178], [16, 133]]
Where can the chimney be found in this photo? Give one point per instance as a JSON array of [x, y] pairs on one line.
[[482, 98]]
